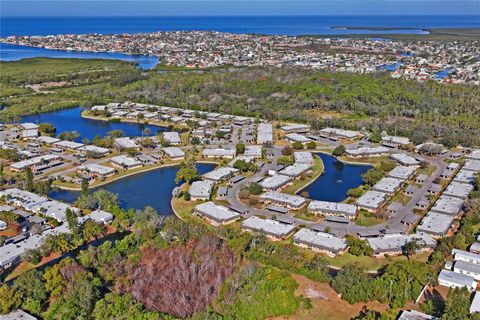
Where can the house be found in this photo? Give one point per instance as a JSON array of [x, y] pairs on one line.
[[421, 178], [295, 128], [17, 315], [458, 190], [283, 199], [465, 176], [3, 225], [295, 170], [452, 279], [275, 182], [100, 217], [173, 138], [218, 153], [320, 242], [394, 141], [411, 190], [434, 189], [367, 152], [472, 165], [475, 305], [393, 244], [47, 140], [37, 164], [216, 214], [241, 121], [334, 134], [125, 143], [333, 209], [253, 151], [295, 137], [68, 145], [460, 255], [394, 208], [303, 157], [415, 315], [220, 174], [96, 170], [201, 190], [174, 153], [404, 159], [97, 151], [264, 133], [371, 201], [436, 224], [273, 229], [423, 203], [467, 268], [388, 185], [11, 253], [125, 162]]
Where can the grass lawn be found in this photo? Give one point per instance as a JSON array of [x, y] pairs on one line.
[[304, 215], [400, 197], [374, 161], [367, 219], [428, 170]]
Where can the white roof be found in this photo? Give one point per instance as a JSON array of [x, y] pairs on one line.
[[268, 226], [320, 240], [295, 169], [47, 139], [456, 278], [201, 189], [218, 152], [283, 198], [34, 161], [365, 151], [29, 126], [404, 159], [94, 149], [264, 133], [475, 306], [475, 154], [97, 168], [447, 205], [11, 252], [274, 182], [371, 199], [220, 173], [435, 223], [396, 139], [216, 212], [172, 137], [387, 185], [402, 172], [303, 157], [472, 165], [395, 242], [332, 208], [415, 315], [253, 151], [297, 137], [124, 160], [458, 190], [174, 152], [341, 132], [125, 142], [465, 176], [69, 144], [293, 127]]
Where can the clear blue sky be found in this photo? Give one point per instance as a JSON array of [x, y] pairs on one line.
[[236, 7]]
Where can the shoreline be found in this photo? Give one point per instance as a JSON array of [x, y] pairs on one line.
[[134, 121]]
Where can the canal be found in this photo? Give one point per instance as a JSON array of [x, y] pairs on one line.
[[337, 178]]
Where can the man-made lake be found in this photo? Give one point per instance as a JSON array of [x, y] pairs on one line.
[[11, 52], [337, 178], [70, 120], [152, 188]]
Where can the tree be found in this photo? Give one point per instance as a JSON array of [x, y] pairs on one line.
[[47, 129], [188, 172], [376, 136], [353, 283], [186, 196], [2, 168], [240, 148], [72, 221], [29, 179], [311, 145], [339, 151], [285, 160], [372, 176], [84, 187], [411, 247], [287, 151], [356, 192], [105, 199], [10, 299], [147, 132], [457, 305], [195, 140], [114, 134], [147, 143], [69, 135], [132, 152], [255, 188], [92, 230], [359, 247], [31, 287], [387, 165], [297, 145]]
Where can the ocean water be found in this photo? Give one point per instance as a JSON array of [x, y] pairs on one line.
[[289, 25]]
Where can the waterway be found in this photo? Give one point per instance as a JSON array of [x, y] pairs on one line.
[[152, 188], [70, 120], [10, 52], [337, 178]]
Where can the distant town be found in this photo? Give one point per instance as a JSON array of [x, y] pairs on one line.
[[441, 61]]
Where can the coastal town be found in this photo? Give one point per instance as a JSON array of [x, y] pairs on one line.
[[454, 62], [412, 196]]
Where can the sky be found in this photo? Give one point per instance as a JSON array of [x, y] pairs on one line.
[[236, 7]]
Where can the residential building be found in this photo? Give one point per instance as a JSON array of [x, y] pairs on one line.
[[125, 162], [220, 174], [96, 170], [283, 199], [174, 153], [273, 229], [216, 214], [201, 190], [333, 209], [371, 201], [275, 182], [452, 279], [320, 242]]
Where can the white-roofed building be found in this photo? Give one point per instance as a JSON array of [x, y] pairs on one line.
[[125, 143], [461, 255], [402, 172], [68, 145], [303, 157], [98, 151], [218, 153], [295, 170], [47, 140], [173, 138], [371, 201], [394, 141], [340, 133], [458, 190], [125, 162], [392, 244], [296, 137], [415, 315], [465, 176], [388, 185], [404, 159], [320, 242], [201, 190], [17, 315], [333, 209], [220, 174], [216, 214], [475, 305], [174, 153], [283, 199], [275, 182], [96, 170], [37, 164], [436, 224], [273, 229], [11, 253], [296, 128], [472, 165], [467, 268], [264, 133], [448, 205], [452, 279], [367, 152], [253, 151]]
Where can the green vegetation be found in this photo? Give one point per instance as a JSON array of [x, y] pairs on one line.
[[421, 111]]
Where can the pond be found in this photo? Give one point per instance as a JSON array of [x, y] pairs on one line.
[[152, 188], [70, 120], [11, 52], [337, 178]]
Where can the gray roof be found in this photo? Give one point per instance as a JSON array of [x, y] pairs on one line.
[[447, 205], [283, 198], [220, 173], [320, 240], [268, 226], [467, 267], [303, 157], [216, 212], [11, 252], [201, 189], [458, 190], [456, 278], [405, 159], [435, 223], [465, 176], [332, 208], [174, 152], [17, 315], [387, 185], [466, 256], [367, 151], [264, 133], [295, 170], [415, 315], [402, 172], [371, 199], [395, 242], [274, 182], [472, 165]]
